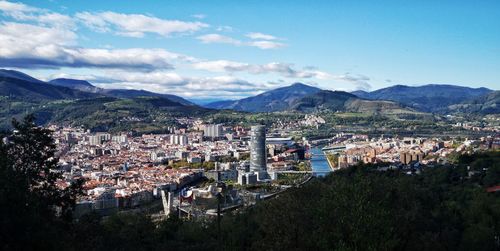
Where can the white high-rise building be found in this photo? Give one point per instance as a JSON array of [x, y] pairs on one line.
[[119, 138], [183, 140], [213, 130], [178, 139], [99, 138], [94, 140]]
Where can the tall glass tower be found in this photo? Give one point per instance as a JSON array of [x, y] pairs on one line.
[[258, 148]]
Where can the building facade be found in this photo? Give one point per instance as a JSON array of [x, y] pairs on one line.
[[213, 131], [258, 157]]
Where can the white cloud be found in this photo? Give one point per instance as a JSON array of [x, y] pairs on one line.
[[44, 39], [266, 44], [217, 38], [32, 46], [224, 28], [283, 69], [22, 40], [199, 16], [136, 25], [360, 82], [15, 7], [221, 66], [166, 78], [146, 59], [22, 12], [260, 36], [172, 83], [130, 25]]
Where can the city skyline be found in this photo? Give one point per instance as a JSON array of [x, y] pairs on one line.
[[222, 50]]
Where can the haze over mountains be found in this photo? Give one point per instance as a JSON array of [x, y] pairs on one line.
[[297, 97]]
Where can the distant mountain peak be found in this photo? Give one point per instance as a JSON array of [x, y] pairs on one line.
[[70, 82], [76, 84], [298, 84], [278, 99]]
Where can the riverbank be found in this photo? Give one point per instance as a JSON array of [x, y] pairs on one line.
[[330, 164]]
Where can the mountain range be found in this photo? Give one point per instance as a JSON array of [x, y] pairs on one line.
[[427, 98], [23, 86], [399, 98], [70, 101], [297, 97]]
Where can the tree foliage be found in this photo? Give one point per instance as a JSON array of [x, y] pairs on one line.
[[32, 206], [361, 208]]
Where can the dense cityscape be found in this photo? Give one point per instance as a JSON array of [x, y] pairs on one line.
[[122, 171]]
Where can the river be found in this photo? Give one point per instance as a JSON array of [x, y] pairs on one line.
[[319, 164]]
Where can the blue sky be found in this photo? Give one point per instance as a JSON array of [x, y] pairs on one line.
[[233, 49]]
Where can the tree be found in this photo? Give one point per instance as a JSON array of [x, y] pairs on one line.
[[34, 210]]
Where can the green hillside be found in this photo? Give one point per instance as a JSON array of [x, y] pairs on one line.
[[141, 114], [487, 104], [346, 102]]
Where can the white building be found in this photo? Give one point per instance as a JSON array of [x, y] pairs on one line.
[[178, 139], [119, 139], [99, 138], [213, 130]]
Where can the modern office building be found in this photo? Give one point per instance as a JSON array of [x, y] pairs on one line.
[[258, 157]]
